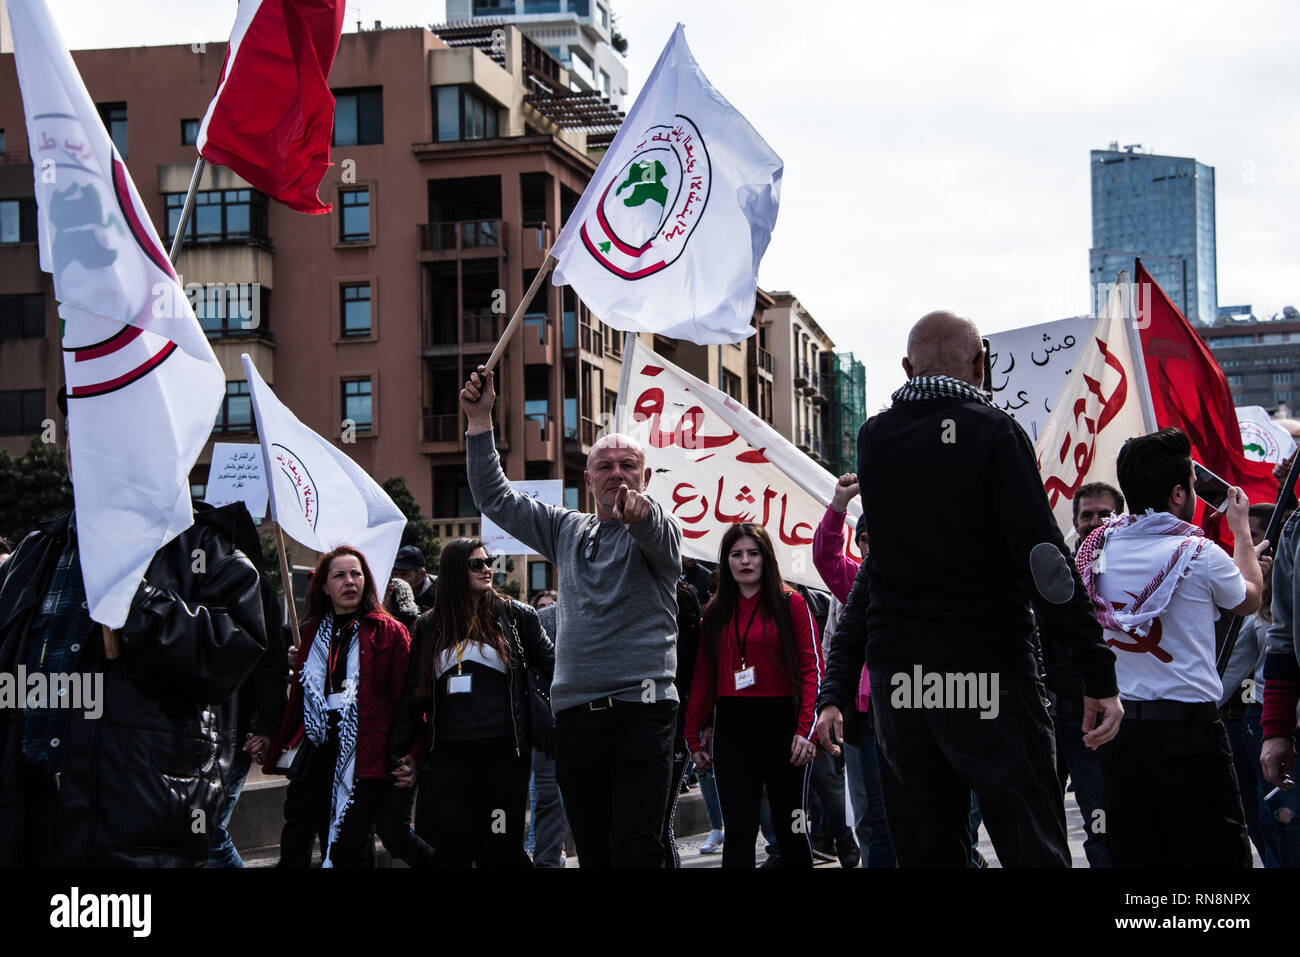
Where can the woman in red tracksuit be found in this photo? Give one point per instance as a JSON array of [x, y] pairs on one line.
[[759, 661]]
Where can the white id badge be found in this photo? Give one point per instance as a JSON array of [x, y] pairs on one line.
[[459, 684], [745, 678], [335, 701]]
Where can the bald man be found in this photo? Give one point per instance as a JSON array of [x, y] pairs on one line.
[[964, 553], [613, 694]]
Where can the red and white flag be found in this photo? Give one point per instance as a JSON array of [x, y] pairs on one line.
[[273, 114], [143, 384]]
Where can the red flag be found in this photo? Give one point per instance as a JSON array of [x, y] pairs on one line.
[[1190, 392], [273, 114]]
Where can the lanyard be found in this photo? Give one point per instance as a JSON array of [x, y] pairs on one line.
[[459, 646], [735, 624]]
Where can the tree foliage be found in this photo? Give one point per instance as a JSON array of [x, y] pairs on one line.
[[419, 531], [33, 487]]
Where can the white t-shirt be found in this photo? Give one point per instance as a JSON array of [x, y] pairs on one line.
[[1176, 661]]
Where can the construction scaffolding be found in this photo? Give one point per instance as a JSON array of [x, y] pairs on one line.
[[850, 410]]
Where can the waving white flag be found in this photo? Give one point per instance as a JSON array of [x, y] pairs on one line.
[[319, 496], [1098, 410], [669, 233], [143, 384], [714, 463]]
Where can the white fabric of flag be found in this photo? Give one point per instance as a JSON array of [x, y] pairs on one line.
[[1262, 439], [669, 233], [1098, 410], [319, 495], [714, 463], [144, 386]]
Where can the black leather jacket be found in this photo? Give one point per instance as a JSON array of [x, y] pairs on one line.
[[133, 779], [847, 655], [415, 718]]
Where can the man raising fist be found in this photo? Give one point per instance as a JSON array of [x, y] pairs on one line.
[[616, 651]]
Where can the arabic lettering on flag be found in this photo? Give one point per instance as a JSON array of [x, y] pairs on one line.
[[1030, 366], [272, 117], [1098, 410], [669, 233], [714, 463], [143, 384], [319, 495], [1263, 439]]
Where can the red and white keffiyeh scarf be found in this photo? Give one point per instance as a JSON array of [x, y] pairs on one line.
[[1154, 598]]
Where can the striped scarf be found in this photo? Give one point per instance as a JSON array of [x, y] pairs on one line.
[[315, 717], [939, 387], [1155, 596]]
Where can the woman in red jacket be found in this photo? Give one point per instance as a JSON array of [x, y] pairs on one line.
[[350, 671], [759, 659]]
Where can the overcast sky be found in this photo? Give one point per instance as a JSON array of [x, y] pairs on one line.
[[936, 154]]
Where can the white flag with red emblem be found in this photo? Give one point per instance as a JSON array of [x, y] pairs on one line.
[[669, 233], [319, 495], [143, 384]]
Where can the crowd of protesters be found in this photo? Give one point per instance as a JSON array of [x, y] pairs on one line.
[[464, 728]]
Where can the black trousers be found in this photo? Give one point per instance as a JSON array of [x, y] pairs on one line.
[[1171, 796], [672, 857], [472, 800], [751, 750], [932, 758], [613, 767]]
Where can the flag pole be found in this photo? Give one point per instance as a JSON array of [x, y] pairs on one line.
[[519, 312], [199, 166], [287, 578], [1135, 348]]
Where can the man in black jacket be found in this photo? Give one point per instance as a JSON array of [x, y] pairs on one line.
[[141, 783], [949, 632]]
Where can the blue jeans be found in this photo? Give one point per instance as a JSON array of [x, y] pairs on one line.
[[1248, 773], [1279, 818], [879, 850], [709, 791], [858, 796], [1085, 772], [547, 824], [221, 849]]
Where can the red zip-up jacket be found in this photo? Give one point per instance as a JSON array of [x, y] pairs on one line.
[[385, 648], [715, 674]]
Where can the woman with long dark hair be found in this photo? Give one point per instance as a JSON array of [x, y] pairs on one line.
[[349, 672], [760, 664], [467, 714]]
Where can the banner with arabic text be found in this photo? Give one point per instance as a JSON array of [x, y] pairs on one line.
[[1030, 365], [714, 463]]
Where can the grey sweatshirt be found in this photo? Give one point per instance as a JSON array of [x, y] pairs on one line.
[[616, 619]]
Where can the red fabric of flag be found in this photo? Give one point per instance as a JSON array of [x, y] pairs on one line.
[[272, 117], [1189, 392]]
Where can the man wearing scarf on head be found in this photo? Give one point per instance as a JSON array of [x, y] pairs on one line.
[[1155, 581]]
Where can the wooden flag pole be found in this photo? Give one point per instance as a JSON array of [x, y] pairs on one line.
[[519, 312], [287, 578], [187, 210]]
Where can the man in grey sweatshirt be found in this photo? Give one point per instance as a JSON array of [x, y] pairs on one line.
[[613, 694]]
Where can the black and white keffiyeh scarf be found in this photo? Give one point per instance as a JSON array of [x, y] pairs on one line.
[[939, 387], [315, 716]]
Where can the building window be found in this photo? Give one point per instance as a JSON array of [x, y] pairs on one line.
[[1281, 397], [17, 221], [22, 317], [355, 309], [1234, 380], [356, 403], [2, 141], [220, 215], [604, 17], [21, 411], [189, 132], [461, 114], [236, 412], [354, 225], [1281, 378], [114, 117], [198, 491], [731, 384], [234, 309], [359, 117]]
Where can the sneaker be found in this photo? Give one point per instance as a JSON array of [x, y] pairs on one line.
[[846, 849], [823, 849], [713, 843], [773, 860]]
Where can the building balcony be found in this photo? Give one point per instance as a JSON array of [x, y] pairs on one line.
[[445, 432], [537, 241], [804, 440], [800, 370], [764, 361], [456, 526], [536, 339], [480, 327], [539, 437], [581, 433], [466, 237]]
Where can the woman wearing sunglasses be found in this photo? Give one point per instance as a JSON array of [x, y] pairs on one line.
[[465, 718], [759, 661]]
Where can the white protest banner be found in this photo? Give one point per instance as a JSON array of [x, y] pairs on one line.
[[237, 475], [1263, 439], [500, 542], [714, 463], [1099, 409], [1030, 365]]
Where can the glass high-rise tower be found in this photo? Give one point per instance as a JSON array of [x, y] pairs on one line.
[[1159, 209]]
